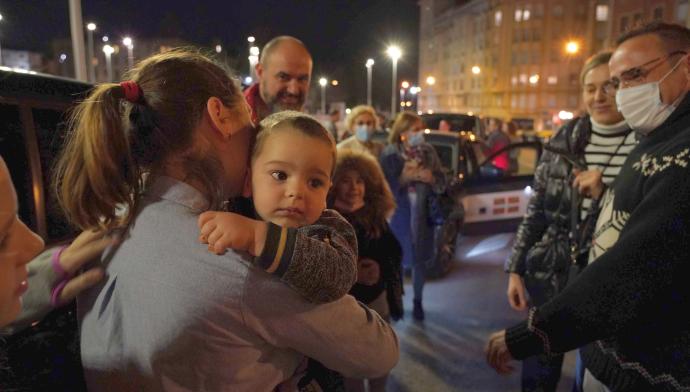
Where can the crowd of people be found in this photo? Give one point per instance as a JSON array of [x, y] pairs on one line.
[[232, 242]]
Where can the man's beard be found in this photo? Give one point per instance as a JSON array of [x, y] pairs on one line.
[[275, 105]]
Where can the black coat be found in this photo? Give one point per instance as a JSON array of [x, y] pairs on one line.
[[541, 252]]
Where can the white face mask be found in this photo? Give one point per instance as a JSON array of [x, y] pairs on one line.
[[641, 105]]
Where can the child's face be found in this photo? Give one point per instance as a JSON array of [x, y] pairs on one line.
[[291, 178]]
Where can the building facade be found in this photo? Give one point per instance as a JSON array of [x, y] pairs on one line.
[[520, 60]]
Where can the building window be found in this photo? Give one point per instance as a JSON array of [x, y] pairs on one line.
[[551, 101], [514, 80], [658, 13], [525, 14], [602, 12], [523, 78], [557, 10], [572, 101], [637, 20], [625, 22], [518, 15], [498, 17], [682, 11], [552, 80]]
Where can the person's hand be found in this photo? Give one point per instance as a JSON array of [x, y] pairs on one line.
[[410, 170], [86, 247], [589, 183], [223, 230], [497, 354], [426, 176], [368, 272], [516, 292]]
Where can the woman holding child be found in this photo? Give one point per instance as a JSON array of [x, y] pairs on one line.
[[170, 314], [413, 171]]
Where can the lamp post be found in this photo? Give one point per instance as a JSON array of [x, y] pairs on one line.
[[127, 41], [108, 50], [252, 63], [89, 36], [394, 53], [323, 82], [0, 45], [369, 64]]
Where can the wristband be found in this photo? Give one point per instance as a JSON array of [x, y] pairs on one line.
[[55, 293]]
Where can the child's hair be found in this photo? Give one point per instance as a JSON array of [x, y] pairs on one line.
[[379, 203], [112, 142], [292, 120]]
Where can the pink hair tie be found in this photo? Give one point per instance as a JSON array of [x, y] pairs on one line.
[[55, 293], [132, 91]]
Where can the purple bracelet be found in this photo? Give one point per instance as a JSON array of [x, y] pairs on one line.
[[63, 277]]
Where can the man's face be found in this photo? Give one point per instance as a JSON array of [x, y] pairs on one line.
[[644, 59], [284, 77]]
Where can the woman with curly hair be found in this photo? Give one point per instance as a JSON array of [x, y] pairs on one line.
[[361, 194]]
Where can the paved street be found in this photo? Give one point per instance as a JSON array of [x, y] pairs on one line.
[[446, 351]]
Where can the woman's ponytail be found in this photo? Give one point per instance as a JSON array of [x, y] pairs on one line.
[[96, 174]]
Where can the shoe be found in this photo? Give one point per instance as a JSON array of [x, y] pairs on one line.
[[418, 311]]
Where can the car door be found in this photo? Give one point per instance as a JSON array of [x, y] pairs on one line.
[[500, 197]]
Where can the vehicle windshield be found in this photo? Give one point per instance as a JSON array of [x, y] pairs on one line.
[[454, 122]]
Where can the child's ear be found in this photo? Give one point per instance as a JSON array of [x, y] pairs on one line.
[[247, 188]]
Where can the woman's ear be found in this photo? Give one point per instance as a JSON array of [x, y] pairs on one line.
[[220, 116]]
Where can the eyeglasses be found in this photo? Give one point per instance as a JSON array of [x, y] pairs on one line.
[[636, 74]]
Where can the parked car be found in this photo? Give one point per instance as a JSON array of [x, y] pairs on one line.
[[33, 110], [481, 198]]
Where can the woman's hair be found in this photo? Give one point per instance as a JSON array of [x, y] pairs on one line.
[[359, 110], [292, 120], [601, 58], [379, 204], [512, 128], [403, 122], [113, 142]]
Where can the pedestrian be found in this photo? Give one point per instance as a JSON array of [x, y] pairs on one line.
[[332, 123], [413, 172], [627, 307], [361, 123], [495, 142], [147, 157], [361, 194], [284, 75], [559, 222]]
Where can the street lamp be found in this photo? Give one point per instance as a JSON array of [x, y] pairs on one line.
[[127, 41], [394, 53], [572, 47], [323, 82], [476, 70], [92, 70], [369, 64], [430, 80], [108, 50], [219, 48], [0, 45], [253, 59]]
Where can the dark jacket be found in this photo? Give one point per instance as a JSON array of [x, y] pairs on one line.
[[413, 227], [541, 252], [631, 303]]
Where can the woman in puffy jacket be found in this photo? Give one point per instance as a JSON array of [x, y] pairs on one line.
[[556, 229]]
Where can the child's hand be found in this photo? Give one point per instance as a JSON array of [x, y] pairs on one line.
[[223, 230]]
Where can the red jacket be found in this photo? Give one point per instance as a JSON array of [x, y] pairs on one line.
[[257, 105]]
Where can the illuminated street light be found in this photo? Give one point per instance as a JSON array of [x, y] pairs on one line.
[[414, 90], [219, 48], [127, 41], [108, 50], [430, 80], [476, 70], [253, 57], [394, 53], [91, 27], [405, 84], [105, 38], [334, 82], [251, 39], [572, 47], [534, 79], [323, 82], [369, 64], [565, 115]]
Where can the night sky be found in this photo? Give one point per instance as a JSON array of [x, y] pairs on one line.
[[340, 34]]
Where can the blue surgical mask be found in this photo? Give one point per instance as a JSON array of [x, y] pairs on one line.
[[362, 133], [415, 139]]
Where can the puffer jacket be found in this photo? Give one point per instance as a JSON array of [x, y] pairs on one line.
[[541, 251]]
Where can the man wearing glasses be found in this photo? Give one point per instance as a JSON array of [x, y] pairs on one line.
[[629, 306]]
